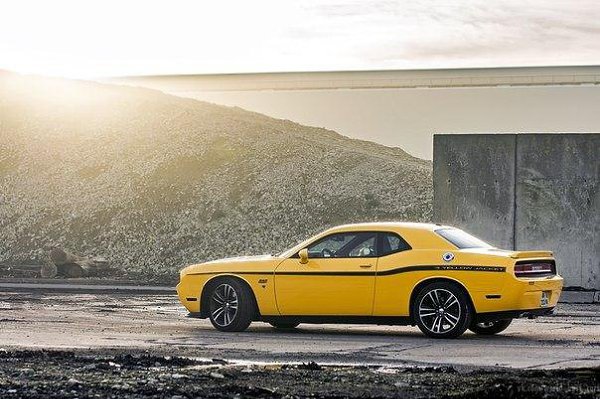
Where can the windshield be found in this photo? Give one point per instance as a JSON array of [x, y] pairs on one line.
[[297, 247], [461, 239]]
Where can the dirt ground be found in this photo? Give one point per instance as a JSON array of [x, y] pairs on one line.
[[90, 344], [44, 374]]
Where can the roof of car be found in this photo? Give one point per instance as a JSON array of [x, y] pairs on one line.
[[414, 232], [389, 225]]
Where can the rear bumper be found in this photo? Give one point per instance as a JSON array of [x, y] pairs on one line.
[[519, 295], [513, 314]]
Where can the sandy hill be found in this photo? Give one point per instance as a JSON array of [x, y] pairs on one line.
[[154, 182]]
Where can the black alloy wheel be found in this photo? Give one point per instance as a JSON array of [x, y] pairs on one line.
[[442, 310], [230, 305]]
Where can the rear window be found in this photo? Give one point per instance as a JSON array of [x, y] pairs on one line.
[[461, 239], [391, 243]]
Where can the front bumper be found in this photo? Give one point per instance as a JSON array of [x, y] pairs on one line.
[[188, 297]]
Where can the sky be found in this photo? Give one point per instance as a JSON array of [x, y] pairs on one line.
[[98, 38]]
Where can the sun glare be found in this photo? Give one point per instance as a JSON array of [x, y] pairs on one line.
[[90, 39], [85, 39]]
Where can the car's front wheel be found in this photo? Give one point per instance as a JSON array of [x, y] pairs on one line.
[[442, 310], [230, 305], [490, 327]]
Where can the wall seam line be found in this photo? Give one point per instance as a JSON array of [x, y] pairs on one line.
[[515, 172]]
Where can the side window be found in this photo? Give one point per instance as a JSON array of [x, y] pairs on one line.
[[345, 245], [328, 247], [364, 247], [391, 243]]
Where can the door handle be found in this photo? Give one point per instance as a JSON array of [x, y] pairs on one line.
[[366, 266]]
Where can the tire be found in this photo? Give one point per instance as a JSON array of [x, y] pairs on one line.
[[442, 310], [284, 325], [231, 305], [490, 328]]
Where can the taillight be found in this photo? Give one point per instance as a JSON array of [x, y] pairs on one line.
[[535, 269]]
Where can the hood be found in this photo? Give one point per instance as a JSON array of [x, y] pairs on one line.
[[252, 258], [221, 264]]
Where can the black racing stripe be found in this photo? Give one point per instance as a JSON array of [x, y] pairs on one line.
[[228, 272], [325, 273], [391, 272], [407, 269]]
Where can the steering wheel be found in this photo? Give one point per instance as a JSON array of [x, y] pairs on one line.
[[327, 253]]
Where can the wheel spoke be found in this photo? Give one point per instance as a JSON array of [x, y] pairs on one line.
[[452, 323], [439, 310], [224, 305], [449, 299], [218, 312], [226, 318], [432, 299], [218, 299], [437, 298], [452, 303], [432, 328], [454, 317]]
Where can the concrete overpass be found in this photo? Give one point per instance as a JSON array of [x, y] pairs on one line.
[[391, 79], [404, 108]]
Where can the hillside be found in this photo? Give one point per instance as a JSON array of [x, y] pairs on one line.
[[154, 182]]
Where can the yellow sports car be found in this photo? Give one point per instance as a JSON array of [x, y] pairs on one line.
[[439, 278]]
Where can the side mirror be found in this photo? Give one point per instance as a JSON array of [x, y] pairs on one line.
[[303, 254]]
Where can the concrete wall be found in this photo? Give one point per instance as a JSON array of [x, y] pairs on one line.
[[525, 191], [474, 182]]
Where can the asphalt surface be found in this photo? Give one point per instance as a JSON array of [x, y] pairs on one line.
[[120, 322], [70, 287]]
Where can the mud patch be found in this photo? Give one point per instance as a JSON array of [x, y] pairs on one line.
[[43, 374], [558, 341]]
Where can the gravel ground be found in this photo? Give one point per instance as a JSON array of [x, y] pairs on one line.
[[47, 374], [114, 344]]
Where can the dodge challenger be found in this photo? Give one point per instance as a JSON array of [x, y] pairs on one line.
[[436, 277]]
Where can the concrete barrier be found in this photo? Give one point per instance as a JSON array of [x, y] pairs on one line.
[[525, 191], [474, 182]]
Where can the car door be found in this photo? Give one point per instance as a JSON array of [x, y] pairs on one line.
[[393, 286], [339, 278]]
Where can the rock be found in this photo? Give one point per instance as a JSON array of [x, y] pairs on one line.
[[217, 375], [310, 366], [49, 270]]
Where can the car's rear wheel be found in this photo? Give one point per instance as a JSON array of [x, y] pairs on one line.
[[442, 310], [284, 325], [490, 327], [230, 305]]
